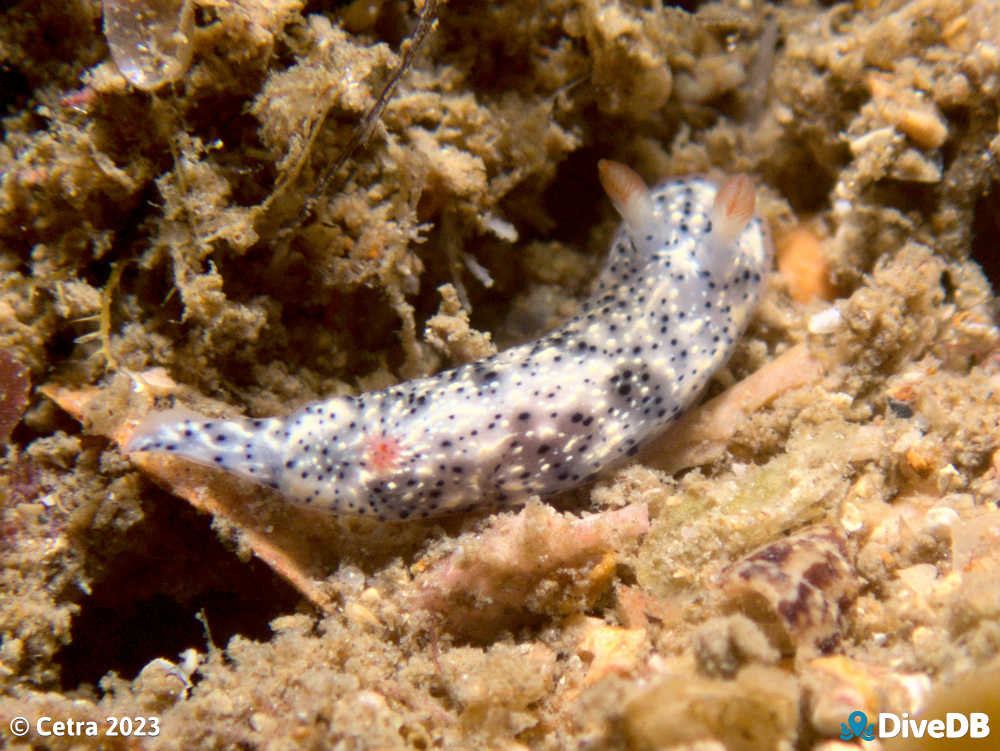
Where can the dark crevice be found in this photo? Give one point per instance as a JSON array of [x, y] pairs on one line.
[[690, 6], [986, 234], [145, 604], [805, 182], [15, 91], [572, 194]]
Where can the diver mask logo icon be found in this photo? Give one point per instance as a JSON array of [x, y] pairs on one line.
[[859, 727]]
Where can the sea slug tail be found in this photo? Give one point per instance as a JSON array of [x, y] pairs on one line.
[[247, 447]]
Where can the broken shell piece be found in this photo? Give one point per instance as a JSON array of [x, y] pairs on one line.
[[836, 686], [939, 521], [162, 684], [609, 649], [795, 589], [150, 40], [975, 539], [825, 321]]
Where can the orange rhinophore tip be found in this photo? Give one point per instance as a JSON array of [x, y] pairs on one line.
[[733, 207], [627, 192]]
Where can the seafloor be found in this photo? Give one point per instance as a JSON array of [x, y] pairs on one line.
[[821, 538]]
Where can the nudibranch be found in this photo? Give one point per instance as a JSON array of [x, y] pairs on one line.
[[684, 272]]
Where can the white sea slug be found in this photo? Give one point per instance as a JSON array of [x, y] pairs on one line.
[[684, 272]]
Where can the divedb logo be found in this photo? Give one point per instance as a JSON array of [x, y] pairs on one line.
[[859, 727], [890, 725]]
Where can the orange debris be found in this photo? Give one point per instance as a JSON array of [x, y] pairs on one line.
[[802, 262]]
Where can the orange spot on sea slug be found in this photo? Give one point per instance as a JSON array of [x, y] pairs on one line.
[[383, 452]]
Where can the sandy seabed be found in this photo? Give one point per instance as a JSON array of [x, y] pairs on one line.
[[825, 541]]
